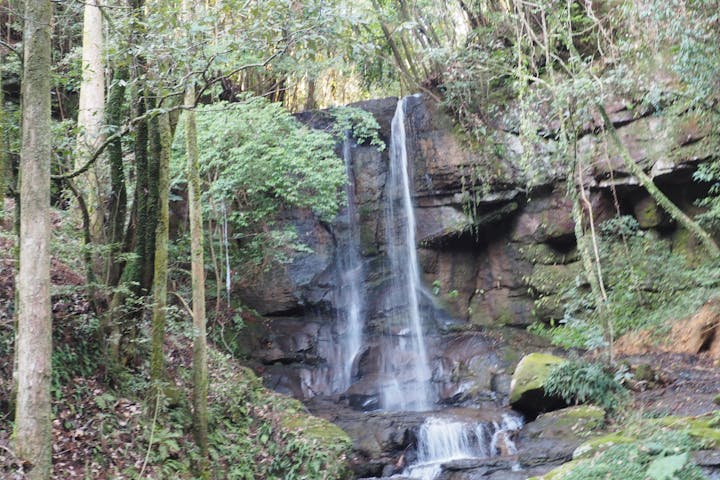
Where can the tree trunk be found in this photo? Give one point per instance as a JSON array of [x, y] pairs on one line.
[[118, 192], [91, 112], [197, 263], [584, 250], [34, 337], [310, 102], [159, 288], [3, 146], [200, 372], [672, 209]]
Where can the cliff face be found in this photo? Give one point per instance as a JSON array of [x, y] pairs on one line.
[[497, 254]]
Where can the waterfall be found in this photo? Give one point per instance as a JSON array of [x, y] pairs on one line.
[[350, 276], [405, 364], [442, 440]]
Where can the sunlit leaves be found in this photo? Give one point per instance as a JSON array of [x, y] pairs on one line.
[[259, 161]]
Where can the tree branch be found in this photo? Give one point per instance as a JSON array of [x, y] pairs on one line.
[[647, 182]]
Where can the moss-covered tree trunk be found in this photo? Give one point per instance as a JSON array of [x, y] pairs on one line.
[[4, 170], [584, 249], [32, 436], [200, 372], [159, 286], [117, 207], [197, 265], [662, 200]]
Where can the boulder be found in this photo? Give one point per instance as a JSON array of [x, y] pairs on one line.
[[526, 389], [554, 436]]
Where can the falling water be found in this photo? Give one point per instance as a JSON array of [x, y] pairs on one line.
[[442, 440], [350, 273], [405, 365]]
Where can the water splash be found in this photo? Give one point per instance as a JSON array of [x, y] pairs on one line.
[[442, 440], [405, 363]]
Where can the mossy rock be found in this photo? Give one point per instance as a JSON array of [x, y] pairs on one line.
[[600, 444], [549, 309], [324, 432], [571, 424], [704, 428], [648, 213], [559, 472], [551, 279], [685, 244], [544, 254], [580, 418], [526, 389]]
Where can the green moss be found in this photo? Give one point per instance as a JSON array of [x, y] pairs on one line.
[[550, 279], [648, 214], [683, 243], [531, 373], [368, 245], [600, 444], [633, 452], [315, 428], [503, 317], [542, 253], [703, 428], [559, 472]]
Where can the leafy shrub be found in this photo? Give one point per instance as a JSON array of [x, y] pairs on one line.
[[362, 125], [256, 161], [256, 433], [584, 382], [662, 455]]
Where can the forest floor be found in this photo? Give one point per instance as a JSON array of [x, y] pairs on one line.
[[683, 384], [101, 432]]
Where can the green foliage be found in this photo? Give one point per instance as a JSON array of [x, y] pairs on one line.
[[647, 283], [258, 161], [478, 81], [620, 227], [75, 353], [709, 173], [361, 124], [572, 332], [252, 435], [583, 382], [661, 455]]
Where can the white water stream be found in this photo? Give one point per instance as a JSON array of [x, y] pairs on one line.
[[351, 276], [405, 365], [442, 440]]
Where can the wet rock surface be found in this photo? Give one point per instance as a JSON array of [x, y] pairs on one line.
[[492, 254], [497, 257]]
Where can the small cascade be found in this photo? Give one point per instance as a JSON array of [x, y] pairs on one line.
[[442, 440], [405, 363], [350, 275]]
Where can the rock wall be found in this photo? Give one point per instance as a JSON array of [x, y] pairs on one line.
[[487, 254]]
